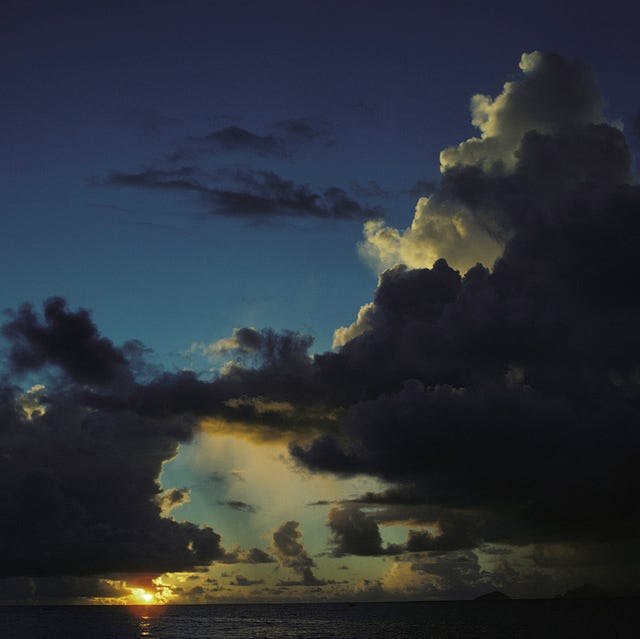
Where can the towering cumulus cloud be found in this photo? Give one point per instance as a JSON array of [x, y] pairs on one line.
[[510, 392], [554, 98]]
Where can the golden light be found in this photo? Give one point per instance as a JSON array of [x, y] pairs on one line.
[[141, 595]]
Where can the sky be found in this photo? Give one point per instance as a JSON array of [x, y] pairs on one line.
[[318, 301]]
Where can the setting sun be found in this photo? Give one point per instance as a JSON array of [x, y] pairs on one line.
[[144, 596]]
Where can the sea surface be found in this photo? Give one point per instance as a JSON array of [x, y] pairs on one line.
[[546, 619]]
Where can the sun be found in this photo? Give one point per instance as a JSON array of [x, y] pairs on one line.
[[143, 596]]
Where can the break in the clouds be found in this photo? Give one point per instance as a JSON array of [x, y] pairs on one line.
[[250, 194]]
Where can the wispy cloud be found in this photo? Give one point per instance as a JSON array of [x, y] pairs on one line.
[[257, 194]]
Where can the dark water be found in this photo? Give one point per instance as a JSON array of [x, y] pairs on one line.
[[612, 619]]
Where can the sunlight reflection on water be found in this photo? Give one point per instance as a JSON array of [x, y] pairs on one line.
[[145, 627]]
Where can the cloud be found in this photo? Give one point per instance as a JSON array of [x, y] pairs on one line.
[[79, 483], [455, 532], [85, 503], [234, 139], [53, 590], [438, 229], [300, 131], [555, 97], [453, 576], [173, 498], [356, 533], [68, 340], [268, 346], [508, 394], [286, 138], [238, 505], [33, 401], [257, 556], [251, 556], [180, 179], [291, 554], [257, 194], [266, 193], [240, 580]]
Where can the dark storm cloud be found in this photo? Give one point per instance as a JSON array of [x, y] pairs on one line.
[[406, 505], [403, 495], [79, 484], [252, 556], [79, 490], [268, 369], [455, 532], [51, 590], [457, 576], [510, 394], [354, 532], [259, 194], [271, 348], [291, 554], [257, 556], [68, 340]]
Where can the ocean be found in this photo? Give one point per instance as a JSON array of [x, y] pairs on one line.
[[544, 619]]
